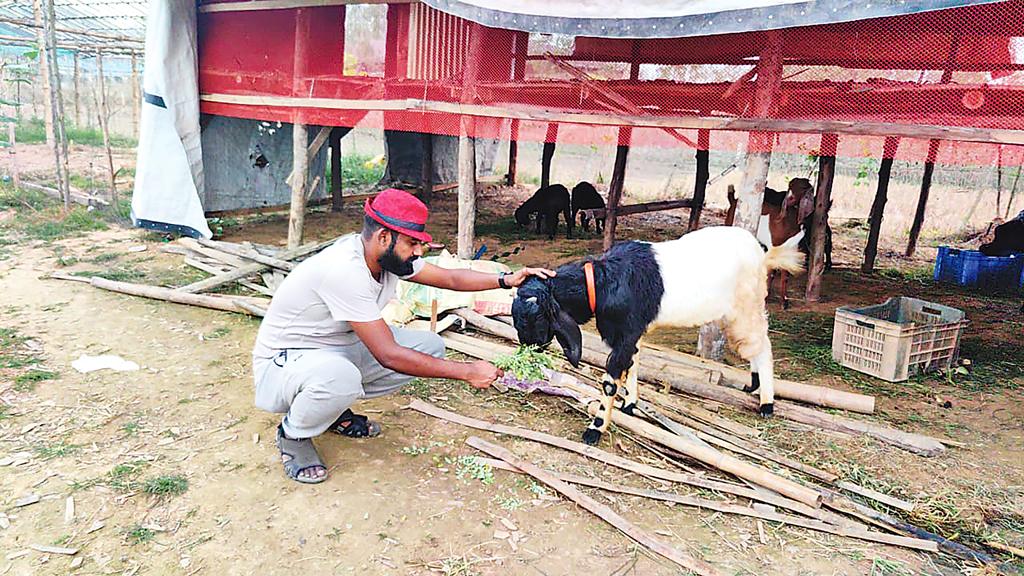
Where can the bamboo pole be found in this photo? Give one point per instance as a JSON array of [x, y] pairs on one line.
[[38, 8], [822, 202], [250, 269], [922, 201], [12, 152], [878, 206], [78, 118], [224, 303], [643, 208], [700, 184], [105, 127], [550, 138], [59, 133], [136, 94], [600, 510], [240, 252]]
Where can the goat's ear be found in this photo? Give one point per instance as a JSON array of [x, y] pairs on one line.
[[569, 337]]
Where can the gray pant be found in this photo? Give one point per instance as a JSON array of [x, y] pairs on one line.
[[313, 386]]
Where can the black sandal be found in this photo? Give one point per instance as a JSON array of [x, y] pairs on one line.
[[355, 426]]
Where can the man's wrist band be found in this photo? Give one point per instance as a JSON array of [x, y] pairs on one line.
[[501, 280]]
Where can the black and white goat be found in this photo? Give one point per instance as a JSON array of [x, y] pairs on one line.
[[585, 197], [547, 203], [713, 274]]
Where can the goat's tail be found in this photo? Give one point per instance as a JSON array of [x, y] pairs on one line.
[[786, 256]]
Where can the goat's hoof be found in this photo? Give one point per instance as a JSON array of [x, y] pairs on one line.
[[591, 437], [766, 410], [628, 408], [785, 304]]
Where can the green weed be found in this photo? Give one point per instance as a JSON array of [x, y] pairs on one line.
[[168, 485], [27, 382]]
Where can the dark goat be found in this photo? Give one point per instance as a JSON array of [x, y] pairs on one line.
[[713, 274], [1009, 239], [547, 203], [585, 196]]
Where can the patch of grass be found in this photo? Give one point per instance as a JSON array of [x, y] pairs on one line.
[[119, 274], [77, 221], [123, 476], [805, 339], [882, 567], [167, 485], [992, 366], [920, 274], [358, 170], [58, 450], [104, 257], [139, 535], [510, 502], [130, 428], [217, 333], [468, 468], [33, 130], [415, 450], [503, 228], [5, 412], [27, 382]]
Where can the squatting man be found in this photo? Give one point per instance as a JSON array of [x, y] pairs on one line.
[[323, 344]]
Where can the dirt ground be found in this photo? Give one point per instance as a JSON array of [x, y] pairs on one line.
[[120, 443]]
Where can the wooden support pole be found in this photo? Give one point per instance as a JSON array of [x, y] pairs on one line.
[[615, 187], [522, 40], [427, 168], [878, 206], [547, 154], [467, 145], [104, 126], [12, 152], [700, 185], [822, 203], [922, 201], [60, 140], [300, 174], [136, 94], [38, 8], [78, 117], [337, 201]]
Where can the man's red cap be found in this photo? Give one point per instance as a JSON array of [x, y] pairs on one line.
[[399, 211]]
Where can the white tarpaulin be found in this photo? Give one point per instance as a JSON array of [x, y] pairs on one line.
[[169, 167]]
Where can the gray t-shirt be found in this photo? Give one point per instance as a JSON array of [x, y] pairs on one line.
[[312, 308]]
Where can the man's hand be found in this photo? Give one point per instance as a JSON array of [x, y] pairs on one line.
[[516, 279], [482, 374]]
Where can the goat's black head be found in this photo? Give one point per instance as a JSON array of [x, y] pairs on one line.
[[522, 216], [538, 318]]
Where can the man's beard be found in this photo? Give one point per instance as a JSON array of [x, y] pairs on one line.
[[392, 263]]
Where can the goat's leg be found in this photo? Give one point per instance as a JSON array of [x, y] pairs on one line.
[[585, 222], [599, 425], [762, 378], [570, 221], [632, 395]]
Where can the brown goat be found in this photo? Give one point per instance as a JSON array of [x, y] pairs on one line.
[[786, 213]]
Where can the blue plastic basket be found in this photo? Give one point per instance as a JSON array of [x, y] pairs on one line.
[[972, 268]]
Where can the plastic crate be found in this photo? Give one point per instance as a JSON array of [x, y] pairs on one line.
[[972, 268], [901, 337]]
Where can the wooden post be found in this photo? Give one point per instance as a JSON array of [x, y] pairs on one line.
[[467, 146], [522, 40], [750, 195], [78, 118], [136, 94], [337, 201], [922, 201], [615, 187], [700, 185], [878, 206], [59, 142], [15, 175], [104, 125], [300, 174], [822, 202], [44, 70], [547, 154], [427, 168]]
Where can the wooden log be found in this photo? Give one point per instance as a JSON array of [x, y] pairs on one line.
[[615, 187], [227, 304], [849, 530], [38, 8], [550, 138], [467, 192], [337, 199], [822, 202], [427, 168], [697, 480], [716, 459], [922, 201], [230, 260], [602, 511], [104, 113], [250, 269], [642, 208], [78, 118], [878, 206], [13, 154], [240, 252], [214, 270], [711, 341], [300, 173], [700, 184]]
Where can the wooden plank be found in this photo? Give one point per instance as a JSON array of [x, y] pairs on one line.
[[541, 114], [878, 206], [255, 5], [242, 254], [602, 511], [822, 202], [849, 530], [642, 208], [700, 184], [876, 496], [250, 269]]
